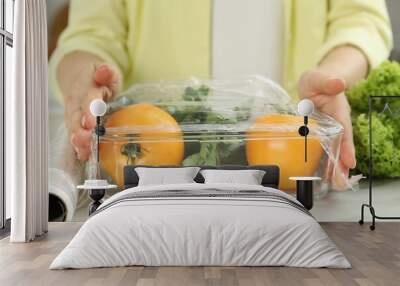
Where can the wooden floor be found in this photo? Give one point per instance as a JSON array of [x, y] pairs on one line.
[[375, 257]]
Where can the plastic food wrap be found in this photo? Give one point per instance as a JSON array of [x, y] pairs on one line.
[[250, 121]]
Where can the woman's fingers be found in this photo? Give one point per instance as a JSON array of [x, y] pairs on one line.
[[80, 121], [106, 84], [316, 83], [88, 120], [335, 86], [81, 141], [339, 177], [107, 76], [348, 154], [341, 112], [103, 75]]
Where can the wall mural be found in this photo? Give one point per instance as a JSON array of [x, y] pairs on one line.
[[163, 110]]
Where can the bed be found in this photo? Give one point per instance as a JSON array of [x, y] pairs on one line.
[[201, 224]]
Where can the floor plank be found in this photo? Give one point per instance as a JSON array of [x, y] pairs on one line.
[[375, 257]]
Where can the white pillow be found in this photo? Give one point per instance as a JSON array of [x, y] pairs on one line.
[[248, 177], [166, 176]]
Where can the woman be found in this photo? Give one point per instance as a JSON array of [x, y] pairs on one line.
[[320, 46]]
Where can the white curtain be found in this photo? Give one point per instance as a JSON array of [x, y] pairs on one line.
[[27, 124]]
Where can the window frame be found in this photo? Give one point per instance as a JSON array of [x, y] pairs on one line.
[[6, 39]]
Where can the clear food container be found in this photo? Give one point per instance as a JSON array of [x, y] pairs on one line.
[[250, 121]]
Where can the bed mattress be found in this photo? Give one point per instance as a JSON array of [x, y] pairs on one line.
[[201, 225]]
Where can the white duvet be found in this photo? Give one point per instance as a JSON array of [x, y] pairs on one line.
[[200, 231]]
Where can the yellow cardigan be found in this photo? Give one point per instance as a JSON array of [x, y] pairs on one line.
[[163, 39]]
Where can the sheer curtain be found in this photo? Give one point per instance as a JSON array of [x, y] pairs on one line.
[[27, 124]]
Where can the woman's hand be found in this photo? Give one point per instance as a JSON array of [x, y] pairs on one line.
[[83, 79], [327, 93], [325, 86]]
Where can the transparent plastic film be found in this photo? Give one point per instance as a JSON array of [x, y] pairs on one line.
[[249, 121]]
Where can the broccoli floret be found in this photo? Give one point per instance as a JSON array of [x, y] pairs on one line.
[[383, 81]]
